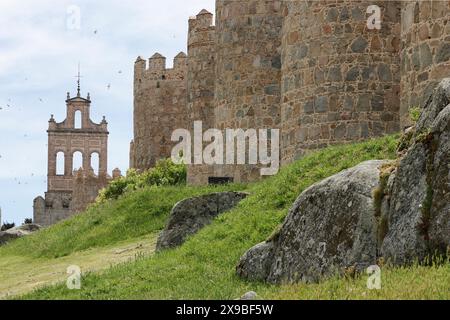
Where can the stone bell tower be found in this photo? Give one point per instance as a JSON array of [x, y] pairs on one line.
[[69, 189]]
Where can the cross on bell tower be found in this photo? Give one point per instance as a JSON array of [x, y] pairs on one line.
[[78, 76]]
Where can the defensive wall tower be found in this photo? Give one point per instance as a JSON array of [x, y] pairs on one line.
[[248, 68], [340, 78], [160, 107], [201, 83]]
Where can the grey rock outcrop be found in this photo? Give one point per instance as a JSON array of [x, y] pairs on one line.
[[346, 222], [18, 232], [190, 215], [418, 200], [330, 227]]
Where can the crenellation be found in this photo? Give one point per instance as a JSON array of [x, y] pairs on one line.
[[159, 108], [180, 62], [157, 63], [204, 19], [140, 66]]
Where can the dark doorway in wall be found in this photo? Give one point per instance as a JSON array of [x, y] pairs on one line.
[[220, 180]]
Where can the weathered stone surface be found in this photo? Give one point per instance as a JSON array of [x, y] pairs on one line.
[[425, 55], [384, 72], [418, 210], [18, 232], [256, 263], [345, 62], [428, 58], [359, 45], [336, 224], [443, 53], [190, 215], [321, 104], [352, 74], [330, 227]]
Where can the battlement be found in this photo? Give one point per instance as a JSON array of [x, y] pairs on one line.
[[180, 61], [201, 21], [160, 99], [157, 62], [156, 68], [202, 31]]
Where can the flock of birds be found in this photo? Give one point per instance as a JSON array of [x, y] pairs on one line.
[[9, 106]]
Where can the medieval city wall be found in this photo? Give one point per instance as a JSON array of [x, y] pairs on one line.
[[316, 70], [201, 77], [248, 63], [425, 34], [340, 79], [160, 107], [86, 186]]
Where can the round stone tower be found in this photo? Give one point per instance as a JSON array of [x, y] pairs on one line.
[[340, 73], [159, 108], [425, 51], [248, 68], [200, 84]]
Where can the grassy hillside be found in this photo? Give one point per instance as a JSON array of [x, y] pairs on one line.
[[22, 274], [204, 267], [136, 214]]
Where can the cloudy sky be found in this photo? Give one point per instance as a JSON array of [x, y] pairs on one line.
[[40, 48]]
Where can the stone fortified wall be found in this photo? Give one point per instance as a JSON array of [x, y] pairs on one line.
[[247, 93], [425, 34], [313, 69], [201, 78], [340, 80], [160, 107]]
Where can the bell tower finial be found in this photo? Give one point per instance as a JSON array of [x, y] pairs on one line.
[[78, 81]]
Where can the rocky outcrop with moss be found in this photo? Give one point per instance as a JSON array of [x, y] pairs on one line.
[[190, 215], [331, 227], [416, 202], [395, 210]]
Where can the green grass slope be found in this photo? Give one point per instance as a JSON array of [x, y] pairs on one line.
[[204, 267], [135, 214]]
